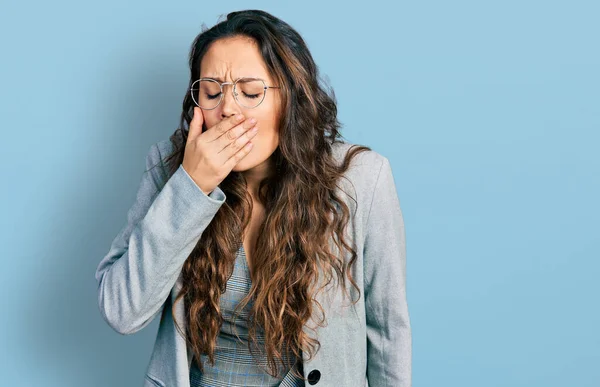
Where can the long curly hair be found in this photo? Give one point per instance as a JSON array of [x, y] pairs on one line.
[[303, 209]]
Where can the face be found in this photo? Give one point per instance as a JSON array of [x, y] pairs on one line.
[[227, 60]]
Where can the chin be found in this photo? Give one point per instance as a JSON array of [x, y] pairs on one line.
[[257, 156], [245, 164]]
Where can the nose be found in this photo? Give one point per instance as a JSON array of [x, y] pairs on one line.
[[230, 107]]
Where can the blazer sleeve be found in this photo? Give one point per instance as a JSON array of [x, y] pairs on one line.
[[389, 338], [145, 259]]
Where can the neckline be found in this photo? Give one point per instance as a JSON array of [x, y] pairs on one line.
[[242, 256]]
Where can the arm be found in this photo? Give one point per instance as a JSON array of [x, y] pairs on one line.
[[389, 338], [145, 259]]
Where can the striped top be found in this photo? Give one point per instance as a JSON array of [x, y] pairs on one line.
[[234, 364]]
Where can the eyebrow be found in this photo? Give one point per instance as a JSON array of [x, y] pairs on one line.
[[221, 79]]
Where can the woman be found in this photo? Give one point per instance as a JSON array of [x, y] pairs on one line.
[[274, 256]]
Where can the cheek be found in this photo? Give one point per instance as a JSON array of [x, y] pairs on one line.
[[267, 138], [267, 127]]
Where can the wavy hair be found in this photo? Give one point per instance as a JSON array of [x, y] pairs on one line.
[[302, 206]]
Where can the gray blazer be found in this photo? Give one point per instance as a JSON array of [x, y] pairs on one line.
[[369, 343]]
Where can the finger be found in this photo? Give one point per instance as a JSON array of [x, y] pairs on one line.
[[239, 143], [196, 124], [234, 133], [239, 155], [223, 126]]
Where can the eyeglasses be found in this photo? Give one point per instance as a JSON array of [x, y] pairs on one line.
[[207, 93]]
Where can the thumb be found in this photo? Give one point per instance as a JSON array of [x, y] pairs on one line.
[[196, 124]]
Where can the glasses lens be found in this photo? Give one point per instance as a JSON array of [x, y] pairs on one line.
[[250, 92], [206, 93]]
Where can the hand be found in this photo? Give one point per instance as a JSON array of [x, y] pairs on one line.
[[211, 155]]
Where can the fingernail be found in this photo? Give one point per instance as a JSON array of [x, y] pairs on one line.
[[239, 117], [252, 120]]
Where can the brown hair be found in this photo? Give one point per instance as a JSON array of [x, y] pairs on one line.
[[293, 242]]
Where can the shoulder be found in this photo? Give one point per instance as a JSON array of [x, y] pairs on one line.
[[361, 178], [157, 152], [162, 150], [364, 166], [156, 156], [163, 147]]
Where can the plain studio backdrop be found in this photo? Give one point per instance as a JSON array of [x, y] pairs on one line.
[[489, 113]]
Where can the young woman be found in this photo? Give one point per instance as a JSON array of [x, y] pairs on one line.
[[274, 256]]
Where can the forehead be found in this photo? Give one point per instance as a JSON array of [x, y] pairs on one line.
[[233, 58]]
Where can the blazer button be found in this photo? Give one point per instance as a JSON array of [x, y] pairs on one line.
[[314, 376]]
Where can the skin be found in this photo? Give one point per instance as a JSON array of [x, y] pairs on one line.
[[227, 60]]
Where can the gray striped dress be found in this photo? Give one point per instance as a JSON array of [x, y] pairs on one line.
[[234, 364]]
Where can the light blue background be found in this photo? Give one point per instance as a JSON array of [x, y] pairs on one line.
[[488, 111]]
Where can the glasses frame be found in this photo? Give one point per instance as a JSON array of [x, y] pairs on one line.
[[233, 90]]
